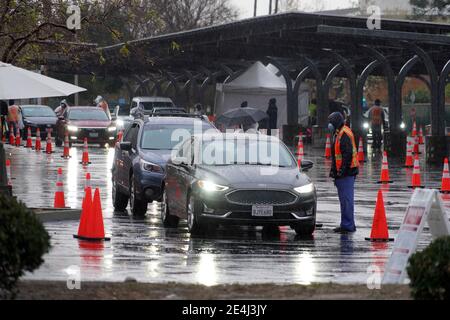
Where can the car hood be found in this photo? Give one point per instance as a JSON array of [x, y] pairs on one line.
[[90, 123], [41, 120], [244, 176], [160, 157]]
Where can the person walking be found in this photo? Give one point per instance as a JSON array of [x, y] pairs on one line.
[[272, 113], [101, 103], [376, 116], [344, 169]]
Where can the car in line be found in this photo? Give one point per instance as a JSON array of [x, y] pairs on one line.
[[140, 159], [86, 122], [38, 116], [143, 106], [239, 185]]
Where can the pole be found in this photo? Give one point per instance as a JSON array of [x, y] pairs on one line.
[[77, 96], [270, 7], [256, 8], [276, 6]]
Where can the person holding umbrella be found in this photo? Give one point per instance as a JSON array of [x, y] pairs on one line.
[[246, 117]]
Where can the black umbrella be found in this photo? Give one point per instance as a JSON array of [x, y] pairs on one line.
[[241, 116]]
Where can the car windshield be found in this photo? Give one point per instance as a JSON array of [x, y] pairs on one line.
[[148, 106], [41, 111], [252, 151], [124, 111], [88, 114], [169, 136]]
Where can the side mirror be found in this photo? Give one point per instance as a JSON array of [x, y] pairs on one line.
[[125, 146], [307, 165]]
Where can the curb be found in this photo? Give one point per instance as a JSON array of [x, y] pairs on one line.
[[55, 215]]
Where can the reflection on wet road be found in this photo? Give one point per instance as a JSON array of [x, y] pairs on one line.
[[144, 250]]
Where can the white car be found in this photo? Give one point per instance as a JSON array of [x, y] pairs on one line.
[[145, 105]]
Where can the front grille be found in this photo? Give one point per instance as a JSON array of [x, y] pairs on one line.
[[261, 197]]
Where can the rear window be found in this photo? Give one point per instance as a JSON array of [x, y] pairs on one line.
[[169, 136], [88, 114], [148, 106]]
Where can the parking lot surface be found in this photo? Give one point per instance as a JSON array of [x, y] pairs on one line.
[[143, 250]]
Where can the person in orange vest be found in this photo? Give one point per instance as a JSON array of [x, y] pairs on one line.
[[376, 116], [13, 116], [344, 169]]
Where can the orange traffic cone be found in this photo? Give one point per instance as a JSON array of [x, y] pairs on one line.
[[8, 173], [416, 145], [328, 147], [18, 140], [29, 144], [87, 182], [385, 170], [445, 178], [361, 150], [59, 194], [91, 225], [85, 159], [380, 230], [409, 162], [12, 139], [416, 179], [37, 145], [66, 153], [421, 138], [49, 147], [414, 131]]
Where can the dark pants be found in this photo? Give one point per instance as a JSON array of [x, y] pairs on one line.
[[346, 192], [377, 136]]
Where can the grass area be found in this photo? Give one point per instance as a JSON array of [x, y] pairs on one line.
[[49, 290]]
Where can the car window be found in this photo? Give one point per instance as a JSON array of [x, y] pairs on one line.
[[134, 137], [88, 114], [131, 134]]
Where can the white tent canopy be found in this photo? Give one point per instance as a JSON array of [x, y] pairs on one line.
[[257, 86], [17, 83]]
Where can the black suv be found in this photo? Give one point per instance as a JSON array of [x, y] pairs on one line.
[[140, 159]]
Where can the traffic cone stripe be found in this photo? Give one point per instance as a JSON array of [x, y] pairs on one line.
[[409, 163], [18, 142], [59, 194], [416, 178], [385, 170], [38, 146], [49, 147], [29, 144], [445, 188], [361, 150], [85, 159], [66, 153], [328, 147]]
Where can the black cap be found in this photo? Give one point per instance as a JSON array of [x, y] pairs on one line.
[[336, 119]]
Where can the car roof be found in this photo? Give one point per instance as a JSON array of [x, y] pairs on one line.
[[84, 107], [34, 106], [173, 120], [152, 99]]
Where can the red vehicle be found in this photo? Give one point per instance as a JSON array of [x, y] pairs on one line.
[[86, 122]]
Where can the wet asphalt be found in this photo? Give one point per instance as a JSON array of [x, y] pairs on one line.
[[143, 250]]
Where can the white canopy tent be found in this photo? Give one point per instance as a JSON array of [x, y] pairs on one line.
[[257, 86]]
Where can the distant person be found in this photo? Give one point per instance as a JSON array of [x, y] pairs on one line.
[[3, 118], [13, 117], [101, 103], [62, 109], [312, 108], [272, 113], [376, 117], [199, 109]]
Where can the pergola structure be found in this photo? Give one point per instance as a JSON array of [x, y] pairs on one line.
[[302, 46]]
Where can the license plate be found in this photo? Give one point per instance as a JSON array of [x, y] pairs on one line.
[[262, 211], [93, 134]]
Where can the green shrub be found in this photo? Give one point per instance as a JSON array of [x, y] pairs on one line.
[[23, 242], [429, 271]]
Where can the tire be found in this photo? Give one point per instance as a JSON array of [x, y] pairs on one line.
[[305, 229], [195, 226], [168, 220], [138, 207], [120, 200]]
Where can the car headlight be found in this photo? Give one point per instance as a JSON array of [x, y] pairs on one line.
[[402, 126], [309, 188], [366, 125], [111, 129], [211, 186], [151, 167], [72, 128]]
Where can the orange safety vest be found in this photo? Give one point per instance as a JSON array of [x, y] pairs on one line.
[[376, 115], [337, 148]]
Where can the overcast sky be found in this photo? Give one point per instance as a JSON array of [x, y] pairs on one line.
[[246, 6]]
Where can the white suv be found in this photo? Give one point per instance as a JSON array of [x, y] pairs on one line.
[[145, 105]]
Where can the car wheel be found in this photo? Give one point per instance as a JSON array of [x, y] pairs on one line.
[[305, 229], [195, 225], [120, 200], [138, 207], [168, 220]]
